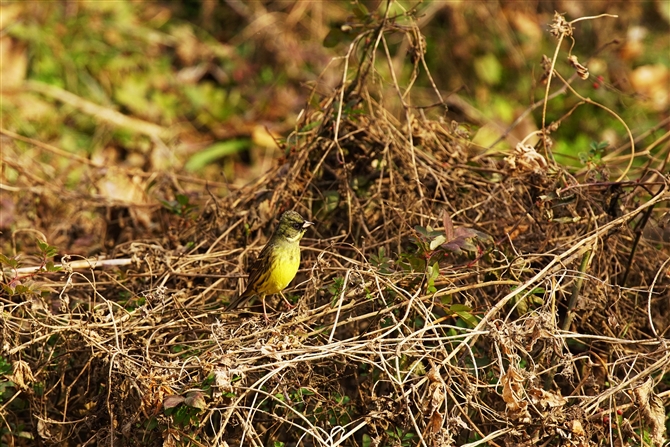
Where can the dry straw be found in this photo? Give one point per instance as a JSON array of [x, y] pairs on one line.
[[472, 354]]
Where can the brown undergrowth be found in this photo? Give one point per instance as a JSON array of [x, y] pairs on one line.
[[446, 298]]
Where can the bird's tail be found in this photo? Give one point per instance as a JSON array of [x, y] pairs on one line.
[[238, 301]]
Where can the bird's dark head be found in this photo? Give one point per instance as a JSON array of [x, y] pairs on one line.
[[292, 226]]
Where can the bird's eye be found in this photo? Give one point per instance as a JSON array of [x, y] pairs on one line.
[[297, 226]]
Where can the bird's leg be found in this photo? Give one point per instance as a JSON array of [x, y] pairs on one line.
[[265, 312], [290, 306]]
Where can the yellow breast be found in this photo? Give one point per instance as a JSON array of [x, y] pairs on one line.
[[284, 267]]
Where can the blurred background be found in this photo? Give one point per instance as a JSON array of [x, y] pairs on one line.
[[144, 131], [211, 89]]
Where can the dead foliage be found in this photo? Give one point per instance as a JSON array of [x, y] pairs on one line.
[[446, 298]]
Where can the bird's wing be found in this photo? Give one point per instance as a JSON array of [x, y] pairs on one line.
[[255, 270], [259, 266]]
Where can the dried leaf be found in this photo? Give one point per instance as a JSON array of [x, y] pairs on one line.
[[434, 401], [172, 401], [435, 422], [23, 375], [546, 399], [652, 408], [582, 71], [576, 427], [195, 399], [525, 159], [512, 392]]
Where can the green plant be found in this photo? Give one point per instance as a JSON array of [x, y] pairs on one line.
[[6, 385], [400, 437], [340, 413], [185, 410], [335, 289], [433, 246], [327, 204], [181, 206], [209, 155], [20, 284], [593, 161], [298, 398], [337, 411], [381, 261], [523, 302], [360, 21], [595, 153]]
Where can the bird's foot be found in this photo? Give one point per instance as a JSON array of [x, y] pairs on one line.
[[288, 304]]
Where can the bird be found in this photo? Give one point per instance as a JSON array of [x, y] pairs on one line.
[[278, 262]]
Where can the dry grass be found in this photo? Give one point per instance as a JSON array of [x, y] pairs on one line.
[[569, 303]]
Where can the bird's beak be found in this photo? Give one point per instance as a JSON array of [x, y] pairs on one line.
[[306, 224]]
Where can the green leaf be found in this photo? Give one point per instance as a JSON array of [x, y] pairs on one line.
[[5, 366], [46, 249], [11, 262], [463, 312], [419, 368], [330, 202], [42, 245], [20, 289], [439, 240], [361, 12], [50, 267], [488, 69], [132, 93], [596, 148], [381, 261], [310, 126], [521, 305], [421, 230], [433, 271], [151, 423], [195, 399], [335, 36], [306, 392], [182, 199], [214, 152], [417, 264]]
